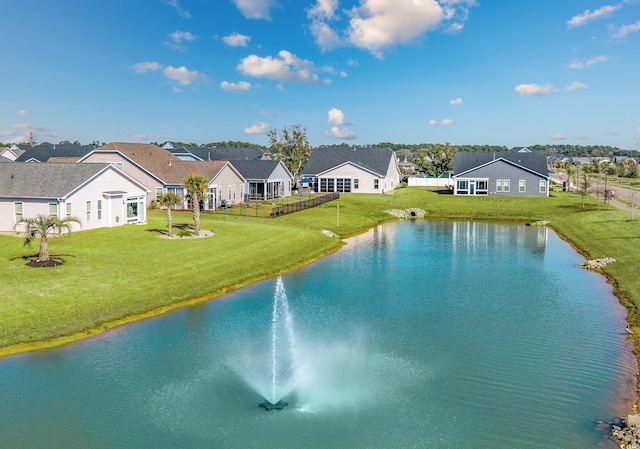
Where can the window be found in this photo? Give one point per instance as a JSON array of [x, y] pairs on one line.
[[376, 184], [522, 186], [99, 209], [68, 209], [234, 193], [356, 184], [88, 210], [17, 210], [343, 185], [119, 165], [158, 191], [506, 185], [327, 185], [229, 193], [53, 209], [543, 186], [462, 185], [498, 185], [481, 185]]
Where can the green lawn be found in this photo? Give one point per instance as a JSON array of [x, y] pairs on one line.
[[115, 274]]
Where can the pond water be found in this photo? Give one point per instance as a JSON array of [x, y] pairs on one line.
[[416, 335]]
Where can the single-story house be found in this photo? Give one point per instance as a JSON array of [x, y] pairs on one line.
[[266, 179], [44, 152], [193, 153], [100, 195], [163, 172], [509, 173], [10, 153], [352, 170], [226, 183]]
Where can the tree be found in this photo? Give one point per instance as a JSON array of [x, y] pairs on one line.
[[442, 156], [291, 146], [42, 226], [584, 186], [197, 187], [167, 200]]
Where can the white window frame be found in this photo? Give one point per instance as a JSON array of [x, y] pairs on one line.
[[376, 184], [88, 211], [522, 185], [99, 206], [18, 211], [543, 186], [506, 185], [53, 210], [68, 209]]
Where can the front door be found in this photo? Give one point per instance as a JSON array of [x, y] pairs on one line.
[[472, 187]]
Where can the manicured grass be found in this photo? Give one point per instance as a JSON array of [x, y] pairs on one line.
[[112, 274]]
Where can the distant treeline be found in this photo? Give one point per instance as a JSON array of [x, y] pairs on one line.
[[550, 150]]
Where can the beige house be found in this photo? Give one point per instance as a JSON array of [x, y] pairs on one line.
[[100, 195], [163, 172]]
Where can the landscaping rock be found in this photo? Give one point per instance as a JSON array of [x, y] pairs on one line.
[[411, 213], [596, 264], [330, 234]]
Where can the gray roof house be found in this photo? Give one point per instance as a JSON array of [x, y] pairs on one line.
[[46, 152], [192, 153], [100, 195], [352, 170], [266, 179], [510, 173]]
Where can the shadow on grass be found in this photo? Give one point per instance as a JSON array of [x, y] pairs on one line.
[[34, 262]]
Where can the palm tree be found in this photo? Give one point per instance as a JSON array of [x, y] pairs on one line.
[[167, 200], [197, 187], [571, 171], [43, 226]]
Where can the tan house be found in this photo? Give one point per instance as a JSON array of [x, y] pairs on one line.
[[162, 172]]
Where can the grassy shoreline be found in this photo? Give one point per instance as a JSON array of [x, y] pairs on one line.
[[112, 277]]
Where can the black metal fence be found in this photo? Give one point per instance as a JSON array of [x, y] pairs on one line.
[[282, 206]]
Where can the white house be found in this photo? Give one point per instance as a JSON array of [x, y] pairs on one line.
[[352, 170], [100, 195]]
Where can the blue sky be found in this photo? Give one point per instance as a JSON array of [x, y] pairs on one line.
[[498, 72]]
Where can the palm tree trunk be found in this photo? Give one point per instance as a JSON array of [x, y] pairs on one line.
[[169, 221], [196, 214], [43, 255]]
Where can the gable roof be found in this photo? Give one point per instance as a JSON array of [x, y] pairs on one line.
[[258, 169], [221, 154], [28, 180], [375, 159], [151, 158], [176, 172], [42, 153], [535, 161]]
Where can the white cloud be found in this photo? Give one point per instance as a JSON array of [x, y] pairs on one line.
[[377, 24], [144, 67], [178, 37], [580, 64], [241, 86], [286, 68], [352, 62], [447, 121], [20, 132], [575, 85], [259, 128], [340, 133], [434, 122], [626, 29], [454, 28], [456, 102], [236, 40], [323, 9], [255, 9], [21, 111], [336, 116], [582, 137], [183, 13], [588, 16], [325, 37], [184, 76], [638, 128], [558, 136], [535, 89]]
